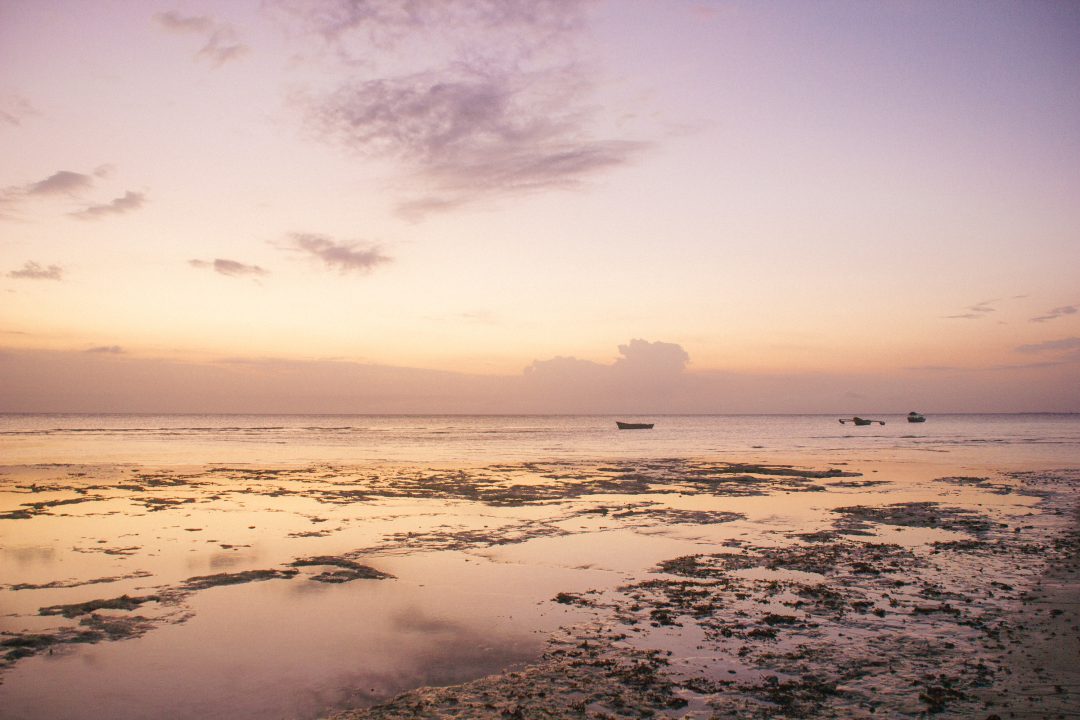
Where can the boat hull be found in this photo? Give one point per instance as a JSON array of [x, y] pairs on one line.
[[634, 426]]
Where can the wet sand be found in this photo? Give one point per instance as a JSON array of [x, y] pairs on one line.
[[654, 588], [1043, 672]]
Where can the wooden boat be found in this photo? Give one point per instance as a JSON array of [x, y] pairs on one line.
[[861, 421], [634, 426], [915, 417]]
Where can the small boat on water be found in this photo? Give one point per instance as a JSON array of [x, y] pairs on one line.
[[915, 417], [860, 421], [634, 426]]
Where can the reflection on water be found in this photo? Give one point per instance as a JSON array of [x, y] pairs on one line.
[[282, 649], [286, 646], [258, 651], [28, 555]]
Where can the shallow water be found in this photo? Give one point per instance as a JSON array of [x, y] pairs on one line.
[[289, 647], [286, 650], [290, 439], [482, 522]]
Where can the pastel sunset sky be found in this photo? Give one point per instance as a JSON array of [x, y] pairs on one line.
[[539, 206]]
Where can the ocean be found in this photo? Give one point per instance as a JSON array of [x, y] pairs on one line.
[[1001, 440]]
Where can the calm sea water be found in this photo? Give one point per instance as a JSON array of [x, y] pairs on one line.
[[1045, 440]]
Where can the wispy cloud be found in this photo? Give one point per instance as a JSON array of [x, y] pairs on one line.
[[1056, 313], [1056, 352], [129, 202], [470, 132], [65, 186], [363, 31], [221, 43], [14, 109], [490, 113], [1051, 346], [229, 267], [106, 350], [978, 311], [384, 23], [1051, 353], [346, 257], [34, 271], [62, 182], [180, 23]]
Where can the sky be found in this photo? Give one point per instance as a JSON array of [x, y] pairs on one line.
[[515, 206]]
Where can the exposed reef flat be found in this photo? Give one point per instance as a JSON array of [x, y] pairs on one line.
[[834, 626]]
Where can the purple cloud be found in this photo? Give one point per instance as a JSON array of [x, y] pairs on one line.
[[344, 257], [1056, 313], [14, 108], [657, 361], [1063, 345], [648, 375], [384, 24], [61, 182], [176, 22], [506, 117], [470, 133], [130, 201], [652, 358], [220, 41], [34, 271], [229, 267], [1058, 352], [976, 312]]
